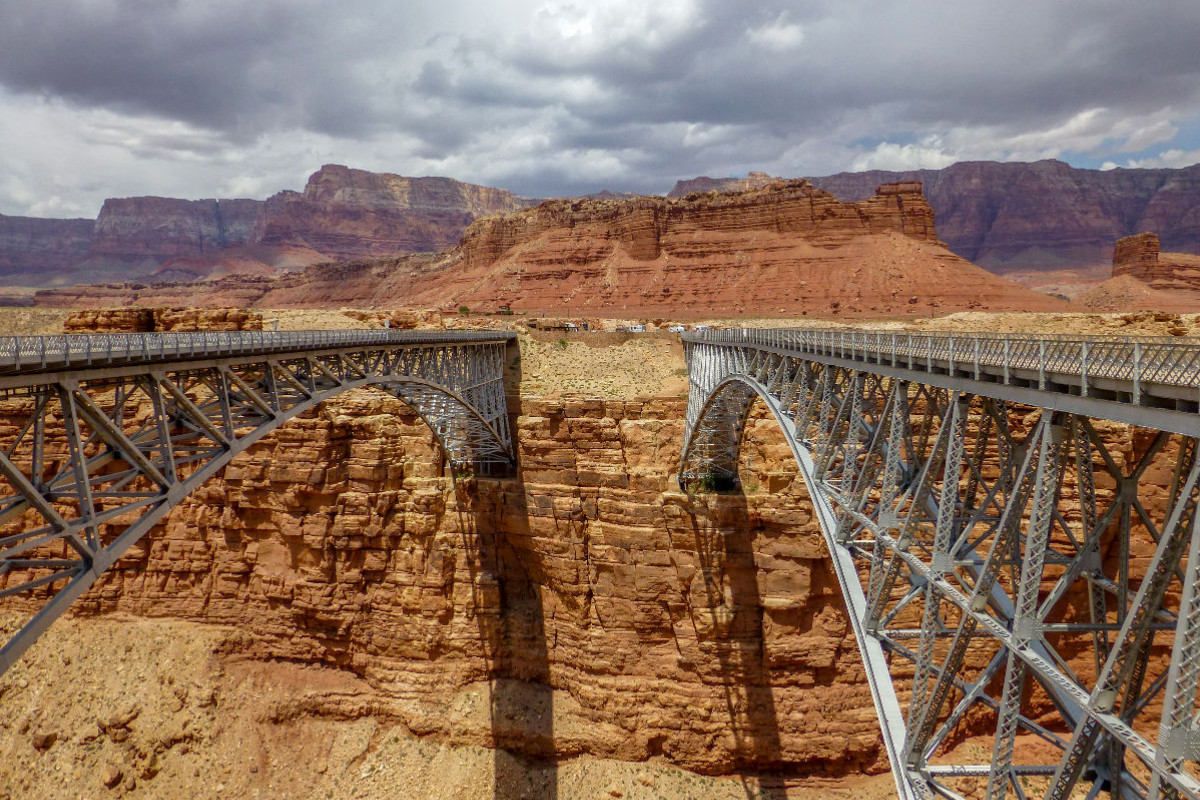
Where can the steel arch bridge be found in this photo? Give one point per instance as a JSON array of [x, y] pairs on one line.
[[102, 435], [1019, 572]]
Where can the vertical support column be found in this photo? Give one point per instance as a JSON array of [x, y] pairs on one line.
[[944, 535], [1026, 624], [889, 490], [1183, 678], [75, 451]]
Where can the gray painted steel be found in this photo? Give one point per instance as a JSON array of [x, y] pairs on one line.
[[106, 433], [1008, 568]]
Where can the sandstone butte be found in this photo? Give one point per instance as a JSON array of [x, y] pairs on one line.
[[1143, 278], [785, 247]]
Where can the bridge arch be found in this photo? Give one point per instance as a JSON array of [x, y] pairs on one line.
[[954, 479], [99, 454]]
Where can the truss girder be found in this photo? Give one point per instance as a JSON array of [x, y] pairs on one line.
[[1048, 584], [96, 458]]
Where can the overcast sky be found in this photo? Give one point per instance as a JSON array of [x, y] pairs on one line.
[[229, 98]]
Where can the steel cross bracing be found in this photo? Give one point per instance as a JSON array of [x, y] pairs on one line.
[[101, 435], [1021, 577]]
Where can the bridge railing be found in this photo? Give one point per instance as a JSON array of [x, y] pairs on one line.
[[31, 352], [1161, 360]]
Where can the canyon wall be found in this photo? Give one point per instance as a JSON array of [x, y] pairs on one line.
[[1043, 215], [341, 214], [595, 608], [33, 251], [348, 213]]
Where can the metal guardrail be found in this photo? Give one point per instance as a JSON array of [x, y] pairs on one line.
[[1139, 362], [18, 353]]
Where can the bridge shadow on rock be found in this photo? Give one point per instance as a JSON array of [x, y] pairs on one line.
[[510, 613], [729, 622]]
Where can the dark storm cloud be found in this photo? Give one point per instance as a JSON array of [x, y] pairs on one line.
[[558, 96]]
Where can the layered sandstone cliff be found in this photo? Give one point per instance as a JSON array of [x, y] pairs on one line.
[[783, 248], [348, 213], [584, 607]]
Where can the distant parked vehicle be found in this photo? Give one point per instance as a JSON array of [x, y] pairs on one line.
[[699, 328], [677, 329]]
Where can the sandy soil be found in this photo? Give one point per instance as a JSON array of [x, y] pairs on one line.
[[167, 709]]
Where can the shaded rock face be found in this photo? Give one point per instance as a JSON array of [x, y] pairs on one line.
[[599, 610], [1046, 215], [32, 250], [155, 229]]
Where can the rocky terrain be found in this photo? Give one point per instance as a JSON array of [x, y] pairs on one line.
[[1045, 215], [336, 616], [341, 214], [782, 248]]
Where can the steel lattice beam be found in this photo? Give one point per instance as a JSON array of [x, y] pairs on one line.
[[1005, 537], [116, 430]]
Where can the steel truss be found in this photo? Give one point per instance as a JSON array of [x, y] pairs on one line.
[[91, 458], [1022, 593]]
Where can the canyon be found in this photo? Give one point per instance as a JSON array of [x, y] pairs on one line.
[[582, 612]]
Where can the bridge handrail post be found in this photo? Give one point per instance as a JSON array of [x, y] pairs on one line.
[[978, 342], [1137, 373], [950, 357], [1083, 369], [1041, 364], [929, 354], [1007, 347]]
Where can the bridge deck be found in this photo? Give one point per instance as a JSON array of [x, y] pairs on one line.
[[1152, 382], [26, 355]]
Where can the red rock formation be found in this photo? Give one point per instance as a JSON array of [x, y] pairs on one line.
[[342, 214], [1046, 215], [784, 248], [145, 320], [348, 213], [1136, 255]]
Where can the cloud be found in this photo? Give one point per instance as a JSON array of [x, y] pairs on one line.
[[1173, 159], [108, 97]]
